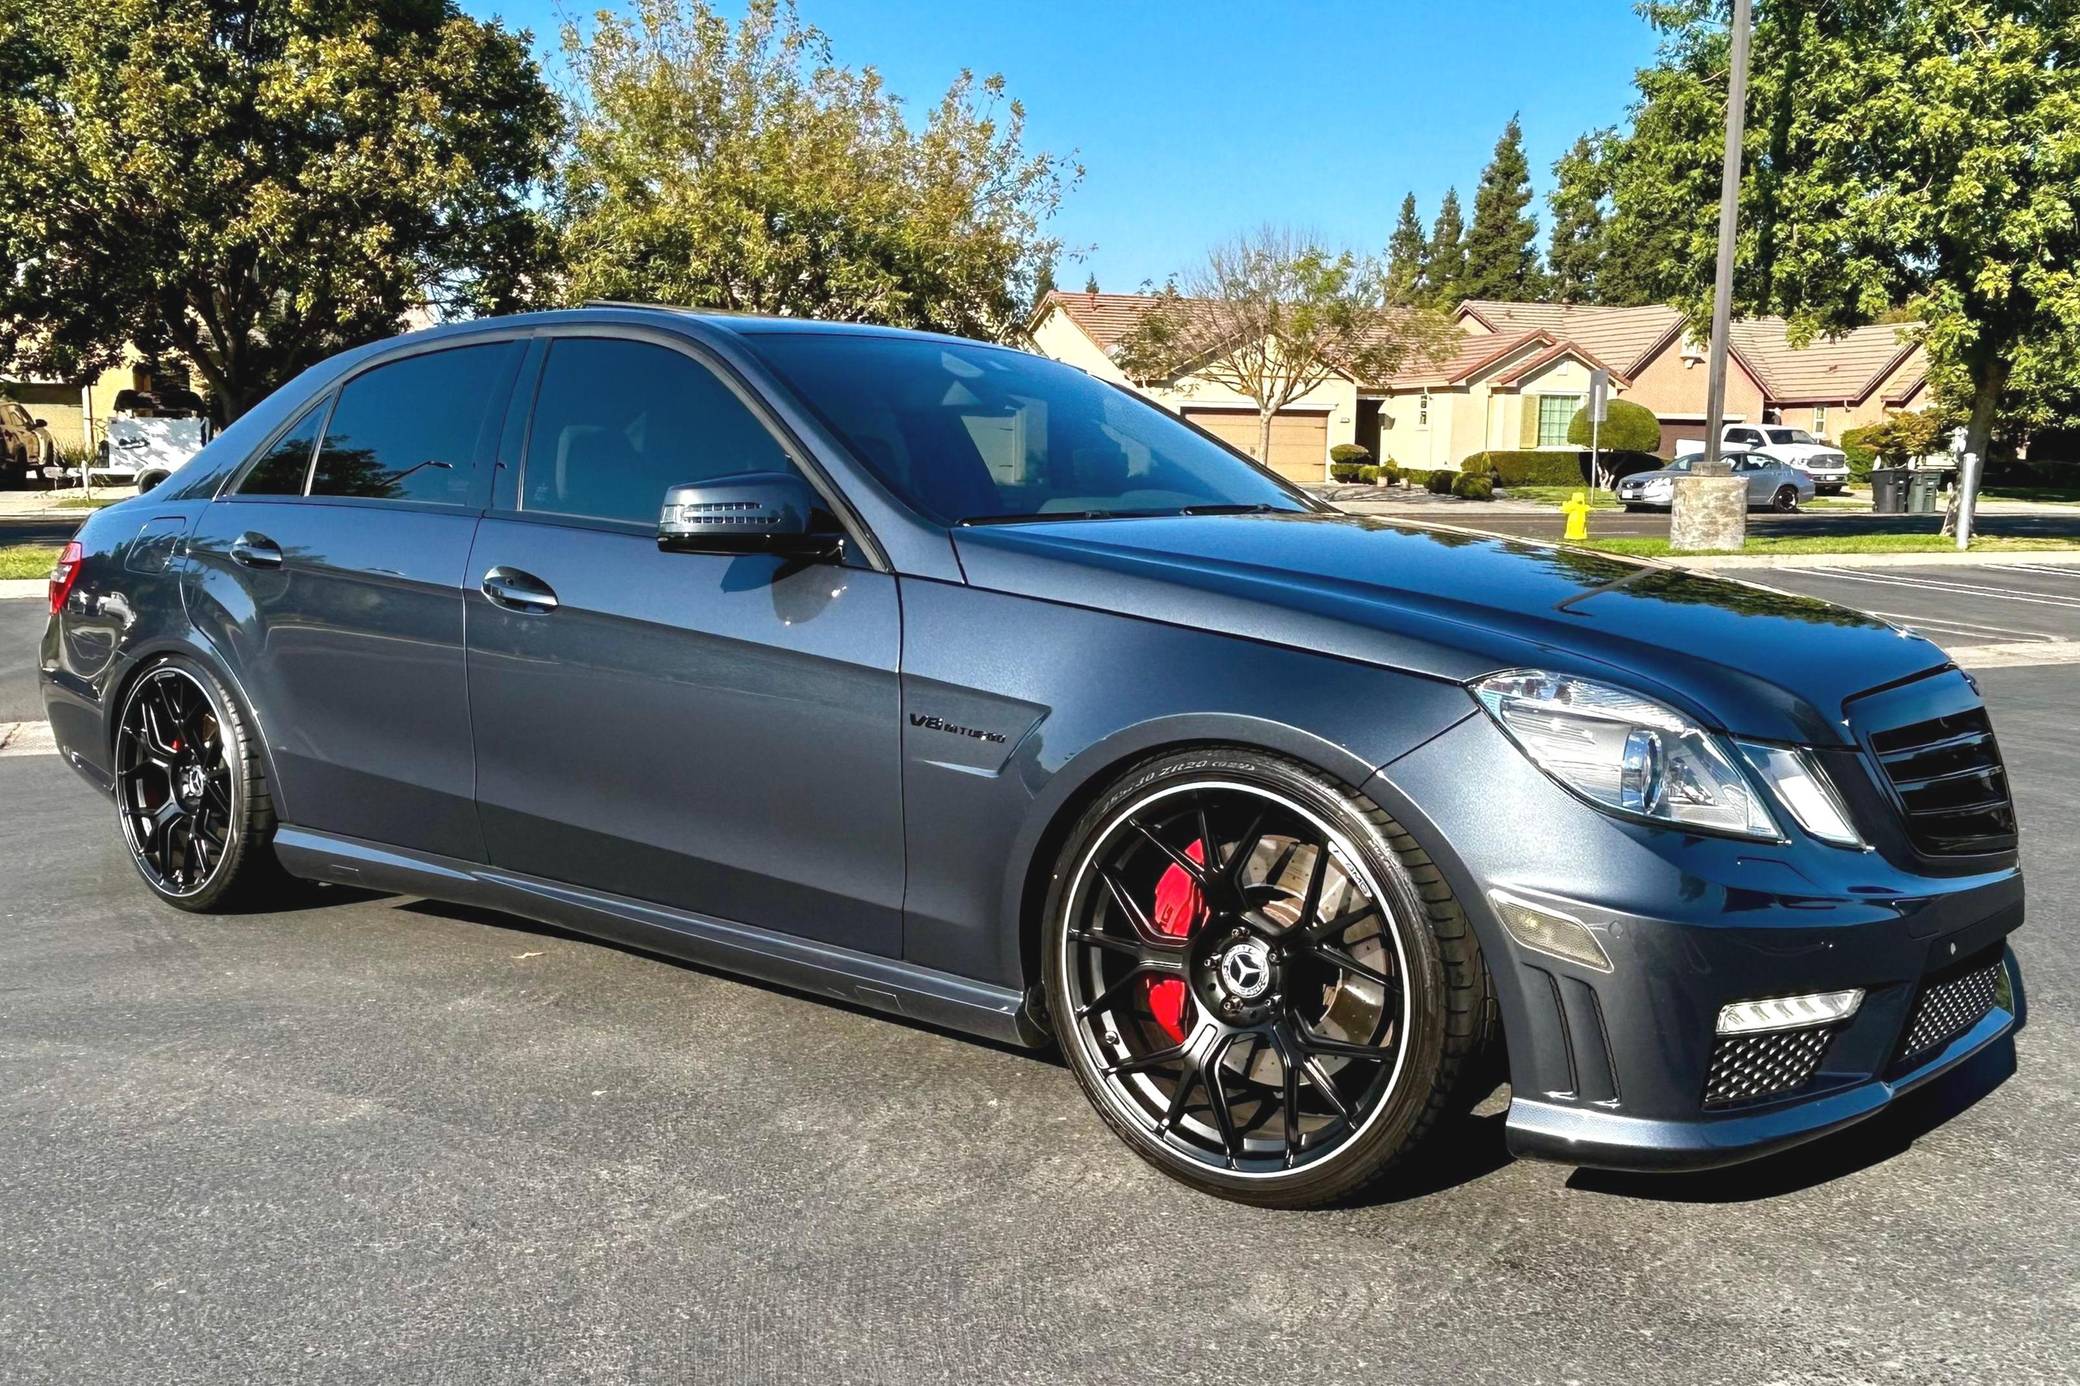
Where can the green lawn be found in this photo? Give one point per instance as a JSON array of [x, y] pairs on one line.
[[27, 560], [1557, 496], [1852, 543], [86, 502], [2055, 495]]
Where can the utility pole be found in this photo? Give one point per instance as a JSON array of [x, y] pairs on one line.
[[1708, 511]]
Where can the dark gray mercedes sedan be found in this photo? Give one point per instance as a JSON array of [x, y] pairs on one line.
[[947, 680]]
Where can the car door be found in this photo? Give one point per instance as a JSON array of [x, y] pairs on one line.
[[1760, 473], [720, 734], [330, 576]]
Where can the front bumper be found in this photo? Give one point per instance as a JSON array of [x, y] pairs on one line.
[[1616, 1068]]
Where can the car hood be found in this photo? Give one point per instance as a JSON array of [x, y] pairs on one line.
[[1455, 605]]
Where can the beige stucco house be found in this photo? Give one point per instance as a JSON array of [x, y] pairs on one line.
[[1518, 378], [74, 412]]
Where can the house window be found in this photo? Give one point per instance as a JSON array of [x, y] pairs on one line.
[[1423, 410], [1820, 420], [1555, 413]]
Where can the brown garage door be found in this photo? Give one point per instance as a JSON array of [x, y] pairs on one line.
[[1299, 442]]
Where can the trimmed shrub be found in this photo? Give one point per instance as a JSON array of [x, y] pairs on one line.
[[1369, 475], [1439, 483], [1529, 468], [1345, 471], [1349, 452], [1474, 486], [1861, 453], [1389, 474], [1627, 427]]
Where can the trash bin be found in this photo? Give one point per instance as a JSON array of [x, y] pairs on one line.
[[1921, 492], [1888, 490]]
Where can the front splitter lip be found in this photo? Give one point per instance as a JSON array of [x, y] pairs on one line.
[[1610, 1140]]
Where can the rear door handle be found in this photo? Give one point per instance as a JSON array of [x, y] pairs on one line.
[[518, 591], [256, 551]]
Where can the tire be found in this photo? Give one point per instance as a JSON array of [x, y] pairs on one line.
[[1432, 996], [241, 872], [1785, 501], [1632, 509], [147, 480]]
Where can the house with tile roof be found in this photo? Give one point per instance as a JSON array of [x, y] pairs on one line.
[[1519, 376]]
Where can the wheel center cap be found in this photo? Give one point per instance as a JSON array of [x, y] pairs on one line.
[[194, 779], [1245, 970]]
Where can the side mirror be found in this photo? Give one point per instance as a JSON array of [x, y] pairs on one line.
[[751, 512], [38, 423]]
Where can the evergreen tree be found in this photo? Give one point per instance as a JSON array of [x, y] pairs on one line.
[[1502, 243], [1575, 257], [1444, 264], [1406, 253], [1090, 286]]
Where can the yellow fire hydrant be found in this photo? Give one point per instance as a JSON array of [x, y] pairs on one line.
[[1577, 512]]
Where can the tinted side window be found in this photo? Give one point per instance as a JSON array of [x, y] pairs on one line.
[[618, 422], [412, 430], [283, 468]]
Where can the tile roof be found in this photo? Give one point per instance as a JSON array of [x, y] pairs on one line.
[[1844, 368], [1471, 352], [1105, 317], [1619, 338]]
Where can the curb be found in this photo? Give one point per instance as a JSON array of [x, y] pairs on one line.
[[2047, 558]]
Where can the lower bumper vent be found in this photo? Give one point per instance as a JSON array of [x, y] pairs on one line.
[[1748, 1068], [1950, 1007]]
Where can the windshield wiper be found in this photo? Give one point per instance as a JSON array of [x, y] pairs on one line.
[[1041, 517], [1258, 508]]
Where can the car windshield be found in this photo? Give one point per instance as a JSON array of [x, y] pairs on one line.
[[973, 434], [1790, 435]]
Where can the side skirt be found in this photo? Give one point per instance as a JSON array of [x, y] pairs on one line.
[[866, 979]]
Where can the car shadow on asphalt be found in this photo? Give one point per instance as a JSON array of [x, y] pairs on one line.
[[520, 924]]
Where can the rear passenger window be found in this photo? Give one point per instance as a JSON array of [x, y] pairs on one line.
[[413, 430], [616, 423], [283, 468]]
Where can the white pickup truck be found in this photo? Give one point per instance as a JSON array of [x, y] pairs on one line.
[[1819, 459]]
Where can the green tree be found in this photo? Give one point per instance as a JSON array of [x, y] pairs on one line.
[[1090, 285], [1406, 255], [1444, 261], [1919, 155], [1272, 315], [1575, 255], [738, 166], [1502, 243], [256, 184]]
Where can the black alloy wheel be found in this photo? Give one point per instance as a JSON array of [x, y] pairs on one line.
[[1785, 500], [175, 789], [1248, 994]]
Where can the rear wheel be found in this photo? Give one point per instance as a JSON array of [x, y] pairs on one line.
[[191, 796], [1785, 500], [1260, 981]]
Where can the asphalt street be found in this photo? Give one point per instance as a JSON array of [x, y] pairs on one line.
[[377, 1139], [1618, 524]]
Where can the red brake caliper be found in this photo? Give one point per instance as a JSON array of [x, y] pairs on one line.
[[1180, 908]]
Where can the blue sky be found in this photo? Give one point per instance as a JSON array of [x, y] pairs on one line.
[[1197, 120]]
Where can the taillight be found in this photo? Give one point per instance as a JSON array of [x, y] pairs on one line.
[[64, 574]]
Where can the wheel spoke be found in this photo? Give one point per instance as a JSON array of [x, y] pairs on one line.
[[1217, 1096], [1311, 903], [1313, 1043], [1181, 1098], [1142, 1063], [1342, 923], [1151, 936], [1124, 986], [1330, 953], [1196, 870]]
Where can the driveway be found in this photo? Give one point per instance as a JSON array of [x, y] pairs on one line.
[[377, 1139]]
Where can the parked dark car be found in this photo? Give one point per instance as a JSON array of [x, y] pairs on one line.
[[951, 681], [1772, 482], [25, 444]]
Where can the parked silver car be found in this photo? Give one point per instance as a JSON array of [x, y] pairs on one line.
[[1772, 482]]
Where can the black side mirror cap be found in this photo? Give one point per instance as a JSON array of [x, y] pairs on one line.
[[749, 512]]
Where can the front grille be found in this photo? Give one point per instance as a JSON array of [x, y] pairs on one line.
[[1948, 773], [1950, 1006], [1748, 1068]]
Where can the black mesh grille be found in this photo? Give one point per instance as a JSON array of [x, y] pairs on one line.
[[1949, 1007], [1746, 1068], [1951, 783]]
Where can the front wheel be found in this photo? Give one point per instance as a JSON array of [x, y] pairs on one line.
[[1785, 500], [191, 796], [1260, 981]]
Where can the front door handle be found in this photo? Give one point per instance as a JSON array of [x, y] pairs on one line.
[[518, 591], [256, 551]]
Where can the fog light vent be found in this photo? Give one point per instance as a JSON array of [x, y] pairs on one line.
[[1545, 930], [1789, 1012]]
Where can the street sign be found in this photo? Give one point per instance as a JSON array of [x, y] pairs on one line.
[[1599, 395]]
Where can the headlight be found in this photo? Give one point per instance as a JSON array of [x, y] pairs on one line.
[[1625, 753]]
